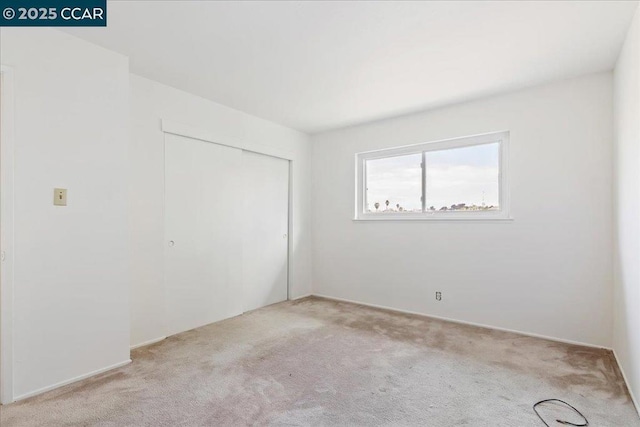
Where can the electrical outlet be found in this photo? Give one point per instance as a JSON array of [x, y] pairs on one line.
[[438, 296]]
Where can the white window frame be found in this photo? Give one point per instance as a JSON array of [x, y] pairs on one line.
[[502, 138]]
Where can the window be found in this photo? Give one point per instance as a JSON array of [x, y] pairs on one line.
[[462, 178]]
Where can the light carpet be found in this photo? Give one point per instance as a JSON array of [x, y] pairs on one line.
[[320, 362]]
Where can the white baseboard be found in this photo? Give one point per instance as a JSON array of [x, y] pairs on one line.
[[463, 322], [69, 381], [149, 342], [626, 380], [300, 297]]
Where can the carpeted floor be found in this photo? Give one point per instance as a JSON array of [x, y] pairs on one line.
[[320, 362]]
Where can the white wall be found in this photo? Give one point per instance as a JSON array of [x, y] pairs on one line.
[[151, 102], [626, 336], [71, 278], [547, 272]]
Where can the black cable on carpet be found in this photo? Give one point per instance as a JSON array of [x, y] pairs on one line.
[[586, 422]]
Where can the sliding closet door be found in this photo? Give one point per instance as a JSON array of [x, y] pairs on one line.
[[265, 225], [203, 229]]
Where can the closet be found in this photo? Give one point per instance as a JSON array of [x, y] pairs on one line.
[[226, 231]]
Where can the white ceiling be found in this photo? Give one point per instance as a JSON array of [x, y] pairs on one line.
[[315, 66]]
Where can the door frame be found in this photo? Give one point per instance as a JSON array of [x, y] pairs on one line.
[[7, 135], [192, 132]]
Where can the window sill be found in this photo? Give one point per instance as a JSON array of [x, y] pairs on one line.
[[435, 219]]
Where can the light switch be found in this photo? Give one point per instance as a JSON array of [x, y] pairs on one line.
[[60, 196]]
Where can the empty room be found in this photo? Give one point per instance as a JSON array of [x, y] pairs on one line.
[[319, 213]]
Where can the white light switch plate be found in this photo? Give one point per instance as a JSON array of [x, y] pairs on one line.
[[60, 196]]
